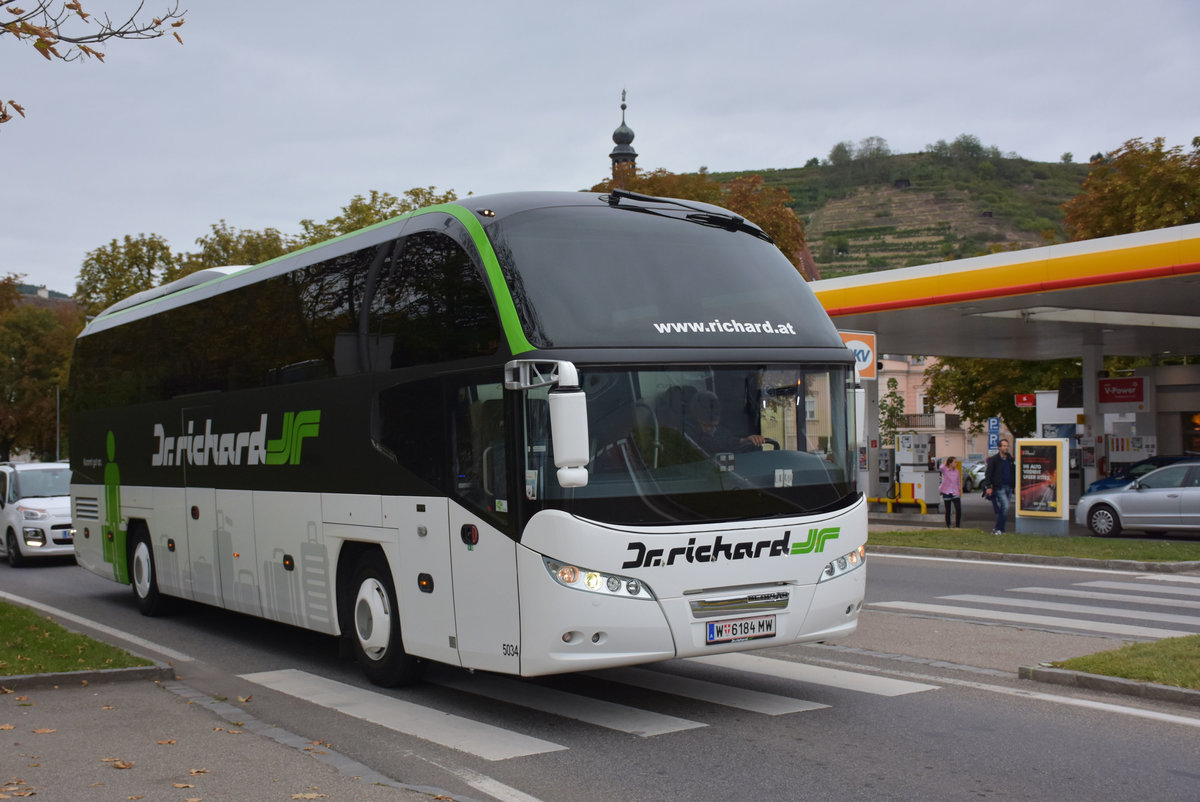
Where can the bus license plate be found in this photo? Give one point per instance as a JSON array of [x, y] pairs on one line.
[[740, 629]]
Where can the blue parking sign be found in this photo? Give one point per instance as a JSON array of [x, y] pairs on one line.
[[993, 441], [993, 428]]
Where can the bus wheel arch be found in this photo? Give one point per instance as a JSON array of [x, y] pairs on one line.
[[143, 575], [370, 620]]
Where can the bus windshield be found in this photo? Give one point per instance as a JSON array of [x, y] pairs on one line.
[[703, 444], [651, 279]]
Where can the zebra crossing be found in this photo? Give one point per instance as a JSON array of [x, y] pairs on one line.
[[491, 742], [1163, 606]]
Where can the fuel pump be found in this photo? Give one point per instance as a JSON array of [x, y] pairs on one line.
[[917, 482]]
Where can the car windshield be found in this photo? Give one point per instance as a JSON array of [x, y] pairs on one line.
[[703, 443], [42, 482]]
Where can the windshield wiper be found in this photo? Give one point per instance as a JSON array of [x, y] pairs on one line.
[[704, 217]]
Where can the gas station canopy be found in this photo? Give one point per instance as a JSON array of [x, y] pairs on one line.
[[1131, 295]]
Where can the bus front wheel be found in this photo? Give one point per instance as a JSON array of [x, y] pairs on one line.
[[142, 575], [375, 624]]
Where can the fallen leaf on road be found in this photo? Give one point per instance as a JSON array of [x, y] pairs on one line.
[[123, 764], [244, 699], [6, 727], [308, 796], [183, 785], [168, 742], [44, 730], [197, 772]]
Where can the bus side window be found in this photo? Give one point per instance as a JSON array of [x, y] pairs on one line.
[[479, 452]]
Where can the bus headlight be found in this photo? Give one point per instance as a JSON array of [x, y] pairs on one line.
[[585, 579], [844, 564]]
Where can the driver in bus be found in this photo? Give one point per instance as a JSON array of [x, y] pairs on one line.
[[703, 427]]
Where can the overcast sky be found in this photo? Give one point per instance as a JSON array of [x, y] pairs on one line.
[[273, 111]]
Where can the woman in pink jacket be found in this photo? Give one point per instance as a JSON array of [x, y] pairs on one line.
[[951, 490]]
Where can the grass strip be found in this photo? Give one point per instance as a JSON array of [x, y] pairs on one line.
[[32, 643], [1171, 661], [1096, 548]]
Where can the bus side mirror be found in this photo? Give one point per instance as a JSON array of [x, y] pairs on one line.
[[568, 412], [569, 430]]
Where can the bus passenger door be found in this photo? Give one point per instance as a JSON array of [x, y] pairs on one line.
[[202, 545], [483, 557]]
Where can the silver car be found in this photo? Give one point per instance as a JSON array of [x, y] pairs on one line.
[[1165, 500], [35, 511]]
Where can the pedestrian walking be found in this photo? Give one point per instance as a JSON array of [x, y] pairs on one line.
[[951, 490], [1000, 479]]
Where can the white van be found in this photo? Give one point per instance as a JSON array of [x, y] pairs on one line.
[[35, 508]]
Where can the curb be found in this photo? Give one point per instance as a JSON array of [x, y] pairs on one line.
[[158, 671], [1097, 682], [1040, 559]]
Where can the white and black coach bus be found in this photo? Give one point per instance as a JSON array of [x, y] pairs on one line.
[[527, 433]]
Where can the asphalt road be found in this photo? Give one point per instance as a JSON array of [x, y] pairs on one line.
[[919, 704]]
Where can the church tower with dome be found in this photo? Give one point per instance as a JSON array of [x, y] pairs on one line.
[[624, 157]]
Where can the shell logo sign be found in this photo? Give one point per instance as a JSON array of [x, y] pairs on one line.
[[862, 345]]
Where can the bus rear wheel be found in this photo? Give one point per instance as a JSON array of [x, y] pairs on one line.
[[375, 625], [142, 575]]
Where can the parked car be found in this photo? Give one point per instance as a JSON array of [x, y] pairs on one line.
[[972, 478], [1131, 472], [35, 510], [1164, 500]]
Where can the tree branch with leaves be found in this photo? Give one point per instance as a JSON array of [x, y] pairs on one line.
[[64, 31]]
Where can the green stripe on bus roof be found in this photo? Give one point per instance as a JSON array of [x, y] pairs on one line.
[[517, 342]]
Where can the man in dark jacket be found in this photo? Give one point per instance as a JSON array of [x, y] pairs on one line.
[[1000, 479]]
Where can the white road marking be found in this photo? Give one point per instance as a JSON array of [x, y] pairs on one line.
[[1084, 609], [769, 704], [569, 705], [465, 735], [1124, 630], [1107, 707], [1181, 591], [819, 675], [157, 648], [1095, 595]]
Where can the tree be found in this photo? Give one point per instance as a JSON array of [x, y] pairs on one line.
[[362, 212], [119, 269], [229, 246], [891, 414], [984, 388], [698, 186], [62, 30], [36, 343], [769, 209], [747, 196], [1138, 187], [841, 154]]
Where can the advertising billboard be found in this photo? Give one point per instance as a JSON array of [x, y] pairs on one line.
[[1042, 477]]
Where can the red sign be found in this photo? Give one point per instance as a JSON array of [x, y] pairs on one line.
[[1025, 400], [1128, 390]]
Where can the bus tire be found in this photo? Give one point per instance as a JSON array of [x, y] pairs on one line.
[[143, 577], [375, 627]]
